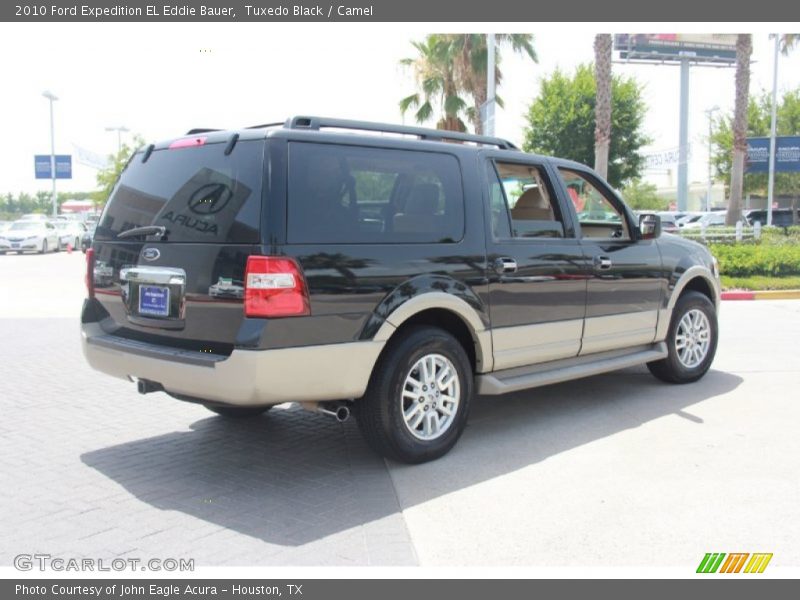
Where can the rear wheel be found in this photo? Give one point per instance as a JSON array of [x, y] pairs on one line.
[[417, 401], [237, 412], [691, 340]]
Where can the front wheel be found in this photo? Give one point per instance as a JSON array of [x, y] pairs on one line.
[[691, 340], [44, 247], [418, 398]]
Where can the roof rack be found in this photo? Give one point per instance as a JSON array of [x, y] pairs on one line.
[[316, 123]]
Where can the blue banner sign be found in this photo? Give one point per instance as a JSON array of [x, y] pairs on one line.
[[787, 154], [63, 166]]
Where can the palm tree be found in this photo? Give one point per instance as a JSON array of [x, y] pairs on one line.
[[789, 41], [602, 107], [744, 47], [471, 65], [434, 72]]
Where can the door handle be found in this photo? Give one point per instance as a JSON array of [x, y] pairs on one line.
[[602, 262], [505, 265]]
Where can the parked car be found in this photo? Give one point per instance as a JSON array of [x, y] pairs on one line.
[[34, 217], [69, 232], [397, 276], [781, 217], [710, 219], [668, 223], [86, 238], [688, 218], [24, 236]]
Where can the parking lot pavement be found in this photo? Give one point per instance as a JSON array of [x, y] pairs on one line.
[[616, 470]]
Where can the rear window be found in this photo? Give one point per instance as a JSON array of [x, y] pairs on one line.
[[198, 194], [351, 195]]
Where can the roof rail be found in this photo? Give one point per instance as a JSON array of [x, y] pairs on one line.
[[263, 125], [316, 123], [200, 130]]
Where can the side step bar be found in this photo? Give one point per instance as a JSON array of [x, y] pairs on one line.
[[512, 380]]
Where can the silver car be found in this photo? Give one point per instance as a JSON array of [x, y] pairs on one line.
[[29, 236]]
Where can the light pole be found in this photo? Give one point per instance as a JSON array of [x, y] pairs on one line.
[[52, 98], [120, 130], [710, 114], [772, 130], [491, 92]]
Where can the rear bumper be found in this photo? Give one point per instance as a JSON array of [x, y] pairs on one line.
[[246, 377]]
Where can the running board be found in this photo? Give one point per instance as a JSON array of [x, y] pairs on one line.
[[512, 380]]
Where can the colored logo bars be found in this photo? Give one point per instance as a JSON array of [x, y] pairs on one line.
[[719, 562]]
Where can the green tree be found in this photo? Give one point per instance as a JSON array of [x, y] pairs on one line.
[[758, 125], [107, 178], [561, 122], [642, 196]]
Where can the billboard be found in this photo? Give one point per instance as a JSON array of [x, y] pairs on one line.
[[41, 165], [669, 47], [787, 154]]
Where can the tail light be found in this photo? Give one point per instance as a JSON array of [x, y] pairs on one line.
[[274, 287], [90, 272]]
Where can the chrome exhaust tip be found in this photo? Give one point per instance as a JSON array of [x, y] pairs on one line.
[[339, 411]]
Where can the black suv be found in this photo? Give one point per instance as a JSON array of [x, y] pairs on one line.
[[397, 271]]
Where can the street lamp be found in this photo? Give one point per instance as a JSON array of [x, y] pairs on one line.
[[52, 98], [710, 114], [120, 130], [772, 130]]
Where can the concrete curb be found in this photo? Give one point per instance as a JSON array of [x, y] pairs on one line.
[[762, 295]]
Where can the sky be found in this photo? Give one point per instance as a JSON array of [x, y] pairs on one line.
[[160, 80]]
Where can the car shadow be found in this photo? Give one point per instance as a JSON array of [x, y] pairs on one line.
[[291, 477]]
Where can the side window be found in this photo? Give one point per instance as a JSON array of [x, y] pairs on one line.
[[598, 215], [350, 194], [522, 202]]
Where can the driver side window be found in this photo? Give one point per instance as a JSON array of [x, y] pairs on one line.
[[598, 216]]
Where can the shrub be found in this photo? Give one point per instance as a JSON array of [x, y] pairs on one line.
[[744, 260]]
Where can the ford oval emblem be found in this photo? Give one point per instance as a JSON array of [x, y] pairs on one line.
[[151, 254]]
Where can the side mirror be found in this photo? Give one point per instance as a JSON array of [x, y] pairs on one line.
[[649, 226]]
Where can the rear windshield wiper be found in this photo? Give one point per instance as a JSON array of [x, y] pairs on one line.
[[158, 230]]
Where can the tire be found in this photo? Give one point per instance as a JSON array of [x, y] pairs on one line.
[[693, 315], [44, 247], [381, 412], [237, 412]]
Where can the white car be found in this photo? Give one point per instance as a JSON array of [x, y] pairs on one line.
[[37, 217], [69, 232], [27, 236], [712, 219]]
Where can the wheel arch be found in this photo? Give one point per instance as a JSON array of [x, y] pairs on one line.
[[449, 312], [696, 278]]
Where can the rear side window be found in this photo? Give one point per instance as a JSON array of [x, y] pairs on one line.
[[198, 194], [351, 195]]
